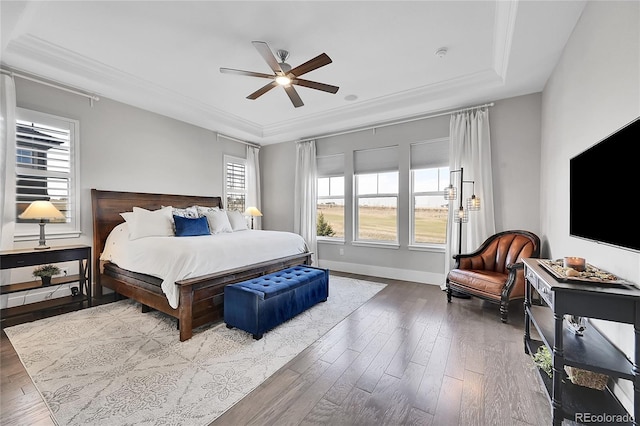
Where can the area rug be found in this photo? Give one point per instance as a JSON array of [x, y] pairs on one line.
[[113, 365]]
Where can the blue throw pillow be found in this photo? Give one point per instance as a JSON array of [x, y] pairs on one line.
[[189, 227]]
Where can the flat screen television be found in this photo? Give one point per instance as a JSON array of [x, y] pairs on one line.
[[604, 184]]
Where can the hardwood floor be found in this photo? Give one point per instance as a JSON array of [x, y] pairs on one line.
[[404, 358]]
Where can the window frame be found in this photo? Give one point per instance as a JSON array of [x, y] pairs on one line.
[[245, 192], [332, 197], [412, 210], [356, 209], [72, 228]]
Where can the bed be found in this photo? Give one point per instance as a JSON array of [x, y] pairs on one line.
[[200, 299]]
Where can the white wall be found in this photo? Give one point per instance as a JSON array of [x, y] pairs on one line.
[[124, 148], [515, 144], [594, 90]]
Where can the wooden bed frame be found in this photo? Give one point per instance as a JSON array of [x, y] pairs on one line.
[[201, 298]]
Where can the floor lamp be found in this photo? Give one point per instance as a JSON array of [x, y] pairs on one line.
[[462, 214]]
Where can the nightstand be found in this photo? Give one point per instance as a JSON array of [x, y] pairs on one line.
[[19, 258]]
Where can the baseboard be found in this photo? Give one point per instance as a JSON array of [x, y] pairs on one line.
[[384, 272]]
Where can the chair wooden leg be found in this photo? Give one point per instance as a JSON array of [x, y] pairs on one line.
[[448, 294], [504, 310]]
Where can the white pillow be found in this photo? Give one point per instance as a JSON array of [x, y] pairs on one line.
[[145, 223], [237, 220], [189, 212], [202, 210], [218, 221]]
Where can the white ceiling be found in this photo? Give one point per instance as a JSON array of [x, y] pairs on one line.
[[164, 56]]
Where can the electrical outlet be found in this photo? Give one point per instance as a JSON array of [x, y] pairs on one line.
[[341, 251], [64, 271]]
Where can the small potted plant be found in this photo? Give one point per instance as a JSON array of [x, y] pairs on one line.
[[543, 360], [45, 272]]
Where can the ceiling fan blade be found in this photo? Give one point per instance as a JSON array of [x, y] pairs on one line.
[[261, 91], [248, 73], [315, 85], [312, 64], [267, 55], [293, 95]]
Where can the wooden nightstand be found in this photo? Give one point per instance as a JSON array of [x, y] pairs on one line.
[[19, 258]]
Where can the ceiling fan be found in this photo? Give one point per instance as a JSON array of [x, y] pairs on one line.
[[284, 75]]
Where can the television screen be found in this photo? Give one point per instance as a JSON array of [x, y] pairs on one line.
[[604, 183]]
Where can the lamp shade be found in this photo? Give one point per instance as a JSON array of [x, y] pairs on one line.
[[473, 203], [252, 211], [461, 215], [41, 210], [450, 193]]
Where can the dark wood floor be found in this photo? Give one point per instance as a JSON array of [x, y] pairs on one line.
[[404, 358]]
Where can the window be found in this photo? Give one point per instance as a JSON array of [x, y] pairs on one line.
[[430, 210], [376, 193], [235, 189], [47, 169], [330, 203], [429, 178]]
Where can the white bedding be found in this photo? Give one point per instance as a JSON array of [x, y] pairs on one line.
[[176, 258]]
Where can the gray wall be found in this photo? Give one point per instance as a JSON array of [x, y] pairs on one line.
[[515, 161], [124, 148], [277, 171], [594, 90], [515, 140]]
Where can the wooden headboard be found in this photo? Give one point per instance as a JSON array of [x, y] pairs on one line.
[[106, 207]]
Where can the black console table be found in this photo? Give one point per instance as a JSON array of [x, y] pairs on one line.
[[19, 258], [592, 351]]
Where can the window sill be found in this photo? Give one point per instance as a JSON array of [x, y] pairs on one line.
[[57, 236], [334, 241], [431, 248], [378, 244]]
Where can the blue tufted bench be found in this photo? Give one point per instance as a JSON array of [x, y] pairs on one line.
[[262, 303]]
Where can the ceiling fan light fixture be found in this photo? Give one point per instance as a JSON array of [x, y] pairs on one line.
[[283, 80], [285, 76]]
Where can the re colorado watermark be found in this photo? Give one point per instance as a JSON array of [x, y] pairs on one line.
[[603, 418]]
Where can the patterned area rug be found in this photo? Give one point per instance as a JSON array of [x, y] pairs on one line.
[[113, 365]]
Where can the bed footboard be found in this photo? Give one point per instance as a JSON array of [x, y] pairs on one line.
[[201, 298]]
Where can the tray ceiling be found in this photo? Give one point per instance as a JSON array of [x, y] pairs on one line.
[[164, 56]]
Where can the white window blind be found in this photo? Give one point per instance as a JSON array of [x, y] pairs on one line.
[[330, 165], [235, 183], [376, 160], [430, 154], [46, 169]]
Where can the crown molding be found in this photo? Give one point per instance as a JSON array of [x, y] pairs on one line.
[[29, 52], [503, 31], [403, 104]]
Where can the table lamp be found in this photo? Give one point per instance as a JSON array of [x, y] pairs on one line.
[[253, 212], [42, 210]]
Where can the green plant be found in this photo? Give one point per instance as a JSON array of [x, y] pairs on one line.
[[542, 358], [323, 228], [46, 271]]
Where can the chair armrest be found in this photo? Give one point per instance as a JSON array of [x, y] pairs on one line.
[[457, 258], [515, 266]]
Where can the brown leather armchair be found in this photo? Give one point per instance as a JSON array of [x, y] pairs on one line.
[[495, 272]]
